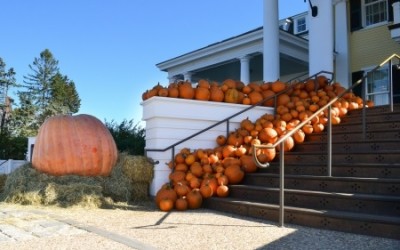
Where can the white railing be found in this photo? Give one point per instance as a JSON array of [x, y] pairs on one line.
[[7, 166]]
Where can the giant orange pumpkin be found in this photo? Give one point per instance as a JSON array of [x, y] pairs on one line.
[[79, 145]]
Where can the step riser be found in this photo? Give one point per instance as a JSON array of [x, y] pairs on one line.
[[389, 135], [370, 127], [351, 158], [347, 147], [322, 220], [319, 201], [326, 184], [373, 117], [383, 171]]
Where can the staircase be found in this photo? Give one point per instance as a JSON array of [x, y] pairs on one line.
[[362, 196]]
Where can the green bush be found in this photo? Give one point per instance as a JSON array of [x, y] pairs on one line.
[[129, 138], [13, 147]]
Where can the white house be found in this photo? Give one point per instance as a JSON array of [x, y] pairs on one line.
[[346, 37]]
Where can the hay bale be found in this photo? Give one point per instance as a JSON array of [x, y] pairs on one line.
[[129, 181], [117, 186], [78, 194], [140, 191], [3, 178], [27, 186], [138, 168]]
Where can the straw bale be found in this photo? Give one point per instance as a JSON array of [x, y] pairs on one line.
[[138, 168], [129, 181], [140, 191], [118, 186], [3, 178], [77, 194]]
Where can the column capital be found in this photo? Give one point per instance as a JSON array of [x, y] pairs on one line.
[[334, 2], [187, 76], [172, 78], [244, 57]]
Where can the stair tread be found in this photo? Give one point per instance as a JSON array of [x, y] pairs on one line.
[[340, 164], [331, 213], [368, 196], [333, 178]]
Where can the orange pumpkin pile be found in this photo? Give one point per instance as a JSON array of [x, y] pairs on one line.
[[202, 173]]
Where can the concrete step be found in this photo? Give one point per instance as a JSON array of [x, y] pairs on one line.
[[350, 222], [376, 186], [350, 202]]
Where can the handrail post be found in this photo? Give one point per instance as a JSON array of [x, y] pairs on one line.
[[227, 128], [281, 185], [391, 86], [329, 146], [363, 113]]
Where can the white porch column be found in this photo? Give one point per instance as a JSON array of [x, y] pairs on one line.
[[395, 28], [171, 78], [321, 37], [245, 69], [342, 58], [271, 70], [396, 12], [187, 76]]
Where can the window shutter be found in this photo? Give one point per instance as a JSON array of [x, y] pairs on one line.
[[355, 15], [355, 76], [390, 8]]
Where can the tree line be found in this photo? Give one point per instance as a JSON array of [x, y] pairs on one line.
[[46, 92]]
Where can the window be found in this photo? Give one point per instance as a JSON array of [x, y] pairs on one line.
[[300, 25], [375, 11], [378, 86]]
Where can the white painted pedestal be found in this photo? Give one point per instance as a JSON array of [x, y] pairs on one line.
[[169, 120]]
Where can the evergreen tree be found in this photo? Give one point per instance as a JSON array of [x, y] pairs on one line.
[[46, 92], [64, 97], [7, 79], [38, 83]]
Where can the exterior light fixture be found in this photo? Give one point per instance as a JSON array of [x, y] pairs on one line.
[[314, 9]]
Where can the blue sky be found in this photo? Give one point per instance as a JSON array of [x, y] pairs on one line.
[[109, 48]]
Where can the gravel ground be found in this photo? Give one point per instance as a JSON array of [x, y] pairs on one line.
[[144, 227]]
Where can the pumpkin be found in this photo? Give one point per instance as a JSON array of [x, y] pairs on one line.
[[181, 189], [248, 164], [177, 176], [79, 145], [186, 91], [181, 204], [222, 191], [202, 94], [234, 173], [202, 83], [232, 96], [221, 140], [194, 199], [206, 190], [165, 192], [268, 135], [278, 86], [255, 97], [216, 94], [166, 204]]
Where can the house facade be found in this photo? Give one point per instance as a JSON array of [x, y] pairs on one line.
[[347, 37], [325, 38]]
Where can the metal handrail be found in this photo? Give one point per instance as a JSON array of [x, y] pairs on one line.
[[291, 84], [4, 162], [328, 106]]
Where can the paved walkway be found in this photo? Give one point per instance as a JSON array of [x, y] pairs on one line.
[[36, 228]]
